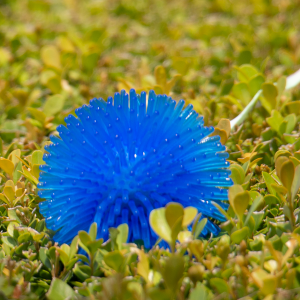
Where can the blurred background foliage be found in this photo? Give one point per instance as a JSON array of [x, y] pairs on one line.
[[57, 55]]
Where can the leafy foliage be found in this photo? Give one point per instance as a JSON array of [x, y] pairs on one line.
[[57, 55]]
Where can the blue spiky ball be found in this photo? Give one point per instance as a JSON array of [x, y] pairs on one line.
[[122, 158]]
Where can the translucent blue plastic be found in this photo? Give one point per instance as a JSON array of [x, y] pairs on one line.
[[122, 158]]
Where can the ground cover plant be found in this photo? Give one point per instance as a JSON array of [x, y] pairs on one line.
[[57, 55]]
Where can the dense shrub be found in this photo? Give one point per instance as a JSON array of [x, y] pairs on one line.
[[216, 55]]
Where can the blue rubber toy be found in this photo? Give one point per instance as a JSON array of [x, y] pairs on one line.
[[122, 158]]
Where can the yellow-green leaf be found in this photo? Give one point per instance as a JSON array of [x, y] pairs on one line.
[[37, 114], [160, 76], [237, 174], [37, 157], [240, 203], [189, 215], [122, 236], [270, 93], [239, 235], [63, 256], [51, 56], [160, 225], [173, 212], [241, 91], [143, 267], [255, 84], [13, 156], [220, 285], [9, 192], [7, 166], [296, 183], [84, 237], [53, 105], [114, 260], [286, 175], [184, 236]]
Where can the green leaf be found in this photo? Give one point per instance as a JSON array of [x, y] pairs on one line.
[[269, 180], [222, 211], [66, 249], [40, 226], [245, 72], [256, 203], [122, 236], [175, 231], [74, 247], [200, 226], [296, 183], [255, 84], [37, 158], [270, 92], [44, 258], [143, 267], [84, 237], [5, 56], [220, 285], [239, 235], [93, 231], [291, 123], [239, 202], [53, 105], [9, 192], [63, 256], [241, 91], [113, 234], [237, 174], [71, 263], [281, 83], [196, 220], [293, 106], [200, 292], [81, 271], [234, 190], [271, 200], [17, 175], [37, 114], [114, 260], [244, 57], [65, 44], [12, 214], [83, 258], [173, 271], [275, 120], [29, 176], [9, 241], [266, 282], [93, 246], [59, 290], [11, 227], [24, 238], [13, 156]]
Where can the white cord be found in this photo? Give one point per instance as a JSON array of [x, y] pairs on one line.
[[291, 81]]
